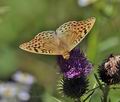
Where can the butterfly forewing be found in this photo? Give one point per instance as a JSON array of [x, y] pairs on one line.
[[45, 42], [73, 32]]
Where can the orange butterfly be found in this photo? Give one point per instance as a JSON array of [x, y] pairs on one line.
[[61, 41]]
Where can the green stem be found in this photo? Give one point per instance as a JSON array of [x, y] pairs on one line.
[[98, 81], [93, 89], [104, 89], [89, 95], [105, 93]]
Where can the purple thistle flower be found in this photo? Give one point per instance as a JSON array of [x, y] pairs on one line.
[[76, 66], [73, 88]]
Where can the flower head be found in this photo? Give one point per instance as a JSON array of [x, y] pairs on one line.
[[23, 96], [76, 66], [109, 71], [84, 3], [24, 78], [8, 89], [73, 88]]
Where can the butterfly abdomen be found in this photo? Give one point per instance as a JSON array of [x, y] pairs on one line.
[[66, 55]]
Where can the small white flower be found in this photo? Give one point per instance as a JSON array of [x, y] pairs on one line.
[[8, 89], [23, 96], [23, 78], [84, 3], [12, 92]]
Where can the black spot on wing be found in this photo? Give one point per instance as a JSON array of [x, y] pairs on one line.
[[36, 50], [85, 31]]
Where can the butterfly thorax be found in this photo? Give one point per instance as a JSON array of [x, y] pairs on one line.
[[64, 49]]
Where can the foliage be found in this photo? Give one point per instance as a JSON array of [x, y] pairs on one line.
[[20, 20]]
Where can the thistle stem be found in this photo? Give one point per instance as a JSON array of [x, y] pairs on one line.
[[89, 95], [93, 89], [105, 89], [105, 93], [98, 81]]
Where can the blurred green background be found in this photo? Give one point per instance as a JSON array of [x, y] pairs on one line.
[[21, 20]]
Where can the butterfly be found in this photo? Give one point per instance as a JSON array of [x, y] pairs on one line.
[[61, 41]]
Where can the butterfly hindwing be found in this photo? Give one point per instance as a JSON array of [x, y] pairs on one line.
[[45, 42]]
